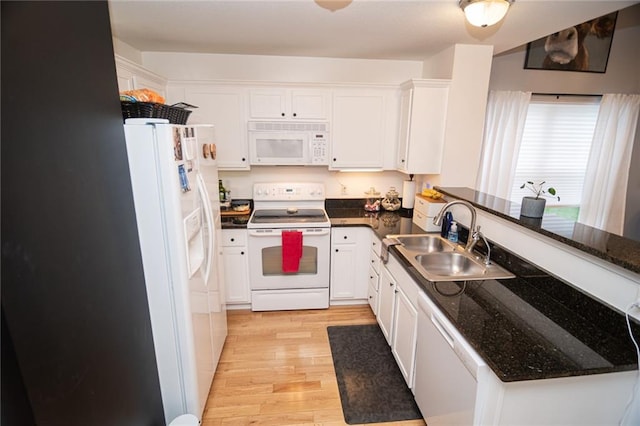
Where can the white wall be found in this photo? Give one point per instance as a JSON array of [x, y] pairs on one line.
[[470, 72], [195, 66], [622, 76], [240, 183]]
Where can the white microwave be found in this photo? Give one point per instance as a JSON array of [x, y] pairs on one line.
[[287, 143]]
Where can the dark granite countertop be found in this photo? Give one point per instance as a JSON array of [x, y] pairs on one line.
[[615, 249], [531, 327]]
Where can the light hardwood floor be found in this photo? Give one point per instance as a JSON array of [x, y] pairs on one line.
[[276, 369]]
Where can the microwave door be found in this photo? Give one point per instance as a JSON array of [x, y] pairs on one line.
[[279, 149]]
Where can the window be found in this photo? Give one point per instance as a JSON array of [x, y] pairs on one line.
[[555, 148]]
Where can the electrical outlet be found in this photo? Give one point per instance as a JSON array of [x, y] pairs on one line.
[[343, 189]]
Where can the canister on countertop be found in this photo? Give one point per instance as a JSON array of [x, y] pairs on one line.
[[391, 201], [372, 203]]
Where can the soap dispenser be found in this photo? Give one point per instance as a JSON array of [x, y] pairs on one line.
[[453, 233], [446, 224]]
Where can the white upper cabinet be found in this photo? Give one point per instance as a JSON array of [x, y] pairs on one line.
[[362, 127], [132, 76], [423, 115], [288, 104], [223, 106]]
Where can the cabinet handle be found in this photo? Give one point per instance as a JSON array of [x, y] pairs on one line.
[[370, 277], [395, 291], [295, 115], [242, 253], [345, 237], [370, 297], [402, 160], [282, 114], [334, 159], [233, 239], [336, 250], [244, 159], [390, 284]]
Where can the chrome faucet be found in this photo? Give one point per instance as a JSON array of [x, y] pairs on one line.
[[475, 237], [437, 220]]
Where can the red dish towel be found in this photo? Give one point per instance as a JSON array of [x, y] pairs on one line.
[[291, 250]]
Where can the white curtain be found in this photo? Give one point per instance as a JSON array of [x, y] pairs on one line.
[[605, 186], [506, 114]]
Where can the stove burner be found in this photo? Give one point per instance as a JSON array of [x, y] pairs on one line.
[[289, 215]]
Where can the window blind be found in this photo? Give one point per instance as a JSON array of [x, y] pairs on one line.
[[555, 146]]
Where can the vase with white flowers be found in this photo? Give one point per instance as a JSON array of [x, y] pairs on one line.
[[533, 206]]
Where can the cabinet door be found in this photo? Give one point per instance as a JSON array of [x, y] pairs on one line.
[[425, 123], [343, 271], [299, 104], [309, 104], [405, 329], [236, 274], [224, 108], [350, 263], [267, 103], [133, 76], [358, 129], [405, 124], [386, 303]]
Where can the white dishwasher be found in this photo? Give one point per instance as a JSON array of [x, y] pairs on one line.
[[447, 370]]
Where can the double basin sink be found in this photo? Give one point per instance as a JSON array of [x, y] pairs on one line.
[[438, 259]]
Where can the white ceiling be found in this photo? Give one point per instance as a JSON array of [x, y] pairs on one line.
[[368, 29]]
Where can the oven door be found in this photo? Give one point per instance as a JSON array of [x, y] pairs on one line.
[[265, 260]]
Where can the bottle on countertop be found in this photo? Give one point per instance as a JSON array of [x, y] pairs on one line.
[[446, 224], [453, 233], [222, 191]]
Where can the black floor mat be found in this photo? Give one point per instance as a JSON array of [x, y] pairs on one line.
[[372, 389]]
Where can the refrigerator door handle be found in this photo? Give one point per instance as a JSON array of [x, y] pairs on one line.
[[202, 190]]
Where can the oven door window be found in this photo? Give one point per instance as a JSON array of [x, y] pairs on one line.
[[272, 261]]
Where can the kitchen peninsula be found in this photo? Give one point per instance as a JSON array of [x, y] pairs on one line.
[[542, 337]]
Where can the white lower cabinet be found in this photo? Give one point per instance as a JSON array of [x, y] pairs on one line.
[[386, 303], [236, 266], [405, 319], [374, 272], [350, 248], [403, 346]]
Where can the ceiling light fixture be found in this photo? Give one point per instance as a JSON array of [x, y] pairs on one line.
[[483, 13], [333, 5]]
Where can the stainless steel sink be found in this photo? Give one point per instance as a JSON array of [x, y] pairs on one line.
[[438, 259], [425, 243], [449, 264]]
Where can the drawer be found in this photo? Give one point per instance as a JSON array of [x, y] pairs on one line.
[[375, 261], [421, 205], [373, 299], [234, 237], [373, 278], [344, 235], [376, 244], [425, 222]]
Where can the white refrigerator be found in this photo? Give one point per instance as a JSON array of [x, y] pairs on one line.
[[174, 179]]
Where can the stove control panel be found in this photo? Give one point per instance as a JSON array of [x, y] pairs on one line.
[[295, 191]]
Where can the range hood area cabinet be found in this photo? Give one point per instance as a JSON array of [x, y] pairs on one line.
[[289, 104], [423, 114]]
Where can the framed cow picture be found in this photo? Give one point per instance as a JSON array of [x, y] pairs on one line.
[[584, 47]]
